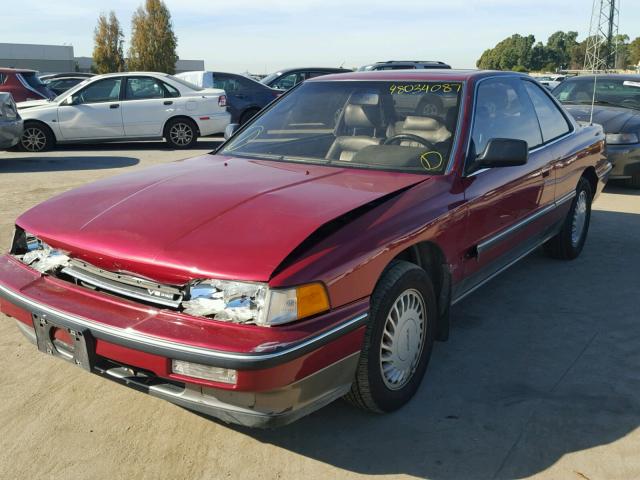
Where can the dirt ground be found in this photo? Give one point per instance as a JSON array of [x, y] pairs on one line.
[[540, 379]]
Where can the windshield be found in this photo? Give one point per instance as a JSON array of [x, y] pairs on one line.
[[32, 79], [72, 90], [618, 92], [266, 80], [185, 83], [401, 126]]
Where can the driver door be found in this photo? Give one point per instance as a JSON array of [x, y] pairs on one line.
[[94, 112]]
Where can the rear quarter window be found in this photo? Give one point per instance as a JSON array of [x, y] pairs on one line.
[[552, 122]]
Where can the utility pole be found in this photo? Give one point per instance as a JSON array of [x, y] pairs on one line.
[[602, 43]]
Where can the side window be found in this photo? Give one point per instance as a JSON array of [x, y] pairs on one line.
[[503, 110], [288, 81], [107, 90], [3, 78], [143, 88], [228, 84], [552, 122], [171, 91]]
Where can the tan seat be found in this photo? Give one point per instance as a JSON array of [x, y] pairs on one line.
[[431, 129], [362, 124]]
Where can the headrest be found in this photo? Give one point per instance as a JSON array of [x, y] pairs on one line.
[[360, 116], [421, 123]]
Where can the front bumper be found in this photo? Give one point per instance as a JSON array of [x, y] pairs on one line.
[[625, 160], [282, 373], [10, 132]]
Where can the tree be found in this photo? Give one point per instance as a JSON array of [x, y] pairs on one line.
[[633, 51], [108, 54], [153, 43], [622, 51], [511, 52], [559, 48]]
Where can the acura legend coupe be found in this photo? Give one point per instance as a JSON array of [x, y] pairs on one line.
[[316, 253]]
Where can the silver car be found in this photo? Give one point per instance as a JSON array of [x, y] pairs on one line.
[[10, 122]]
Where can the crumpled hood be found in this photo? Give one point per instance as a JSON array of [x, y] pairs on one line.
[[612, 119], [208, 217]]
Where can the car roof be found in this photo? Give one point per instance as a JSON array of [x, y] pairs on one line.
[[318, 69], [415, 74], [615, 76]]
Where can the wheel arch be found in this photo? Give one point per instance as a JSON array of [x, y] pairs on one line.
[[32, 121], [430, 257], [592, 177]]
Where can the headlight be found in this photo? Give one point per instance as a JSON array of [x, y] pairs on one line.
[[245, 302], [622, 138]]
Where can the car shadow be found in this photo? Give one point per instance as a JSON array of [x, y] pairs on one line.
[[34, 163], [618, 187], [542, 361]]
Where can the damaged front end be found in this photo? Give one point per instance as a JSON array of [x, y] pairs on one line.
[[222, 300]]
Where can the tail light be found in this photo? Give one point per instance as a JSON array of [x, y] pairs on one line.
[[222, 101]]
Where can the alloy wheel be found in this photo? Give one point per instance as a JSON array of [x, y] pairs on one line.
[[181, 134], [33, 139], [403, 339], [579, 218]]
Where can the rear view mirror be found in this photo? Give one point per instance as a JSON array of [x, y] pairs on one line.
[[364, 98], [504, 152], [230, 130]]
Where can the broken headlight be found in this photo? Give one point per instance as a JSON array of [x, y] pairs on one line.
[[245, 302], [32, 251]]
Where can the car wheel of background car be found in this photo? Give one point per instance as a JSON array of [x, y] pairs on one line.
[[431, 107], [36, 137], [181, 133], [248, 115], [633, 182], [568, 244], [398, 340]]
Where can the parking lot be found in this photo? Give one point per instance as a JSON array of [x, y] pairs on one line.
[[539, 379]]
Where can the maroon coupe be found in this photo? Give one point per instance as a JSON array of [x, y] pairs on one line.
[[316, 253]]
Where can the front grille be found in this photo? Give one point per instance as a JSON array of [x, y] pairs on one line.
[[123, 284]]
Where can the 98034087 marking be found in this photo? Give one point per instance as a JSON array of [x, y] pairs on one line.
[[425, 88]]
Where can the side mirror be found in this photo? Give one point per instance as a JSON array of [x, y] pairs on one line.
[[230, 130], [503, 152], [70, 100]]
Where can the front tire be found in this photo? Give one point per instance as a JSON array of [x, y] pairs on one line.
[[398, 340], [568, 243], [181, 133], [36, 138]]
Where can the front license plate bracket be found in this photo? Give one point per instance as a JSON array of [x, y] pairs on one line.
[[80, 350]]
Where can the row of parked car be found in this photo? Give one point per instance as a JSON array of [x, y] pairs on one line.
[[78, 107]]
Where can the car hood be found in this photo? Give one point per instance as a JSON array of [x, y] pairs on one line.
[[34, 104], [208, 217], [612, 119]]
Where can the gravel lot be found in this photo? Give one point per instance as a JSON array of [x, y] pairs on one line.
[[541, 377]]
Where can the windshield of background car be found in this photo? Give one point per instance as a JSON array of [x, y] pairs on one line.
[[32, 79], [401, 126], [618, 92], [185, 83]]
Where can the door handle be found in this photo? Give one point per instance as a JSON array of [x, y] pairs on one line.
[[168, 102], [114, 105]]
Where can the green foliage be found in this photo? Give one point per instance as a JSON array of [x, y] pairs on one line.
[[108, 54], [153, 43], [562, 51], [633, 51]]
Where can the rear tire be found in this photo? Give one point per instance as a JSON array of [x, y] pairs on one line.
[[181, 133], [568, 243], [398, 339], [633, 182], [36, 138], [248, 115]]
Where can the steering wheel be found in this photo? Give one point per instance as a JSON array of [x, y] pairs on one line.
[[408, 136]]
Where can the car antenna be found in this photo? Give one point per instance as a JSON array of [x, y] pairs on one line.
[[593, 98]]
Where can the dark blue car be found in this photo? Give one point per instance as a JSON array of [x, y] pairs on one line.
[[245, 96]]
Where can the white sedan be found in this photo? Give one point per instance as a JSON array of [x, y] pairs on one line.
[[125, 106]]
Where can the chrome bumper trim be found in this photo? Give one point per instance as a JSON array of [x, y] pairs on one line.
[[180, 351]]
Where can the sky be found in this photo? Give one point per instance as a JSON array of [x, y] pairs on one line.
[[261, 36]]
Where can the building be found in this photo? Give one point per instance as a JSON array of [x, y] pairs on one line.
[[44, 58], [60, 59]]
